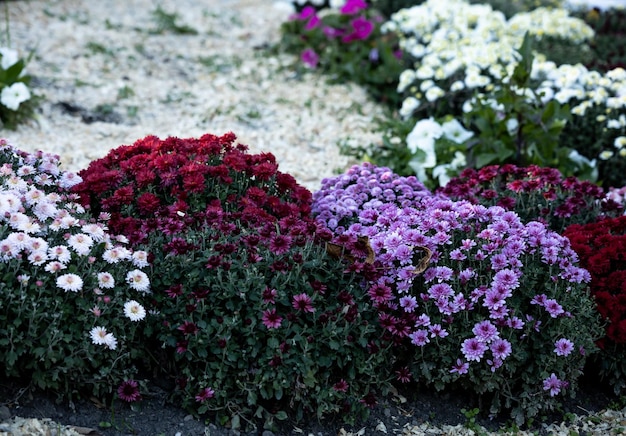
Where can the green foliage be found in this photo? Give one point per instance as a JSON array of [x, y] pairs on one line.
[[167, 22]]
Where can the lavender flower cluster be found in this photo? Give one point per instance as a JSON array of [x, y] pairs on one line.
[[492, 282]]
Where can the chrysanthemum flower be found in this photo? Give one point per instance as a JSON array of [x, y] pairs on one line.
[[134, 311], [303, 302], [98, 335], [271, 319], [129, 391], [138, 280], [205, 394], [106, 280], [70, 282]]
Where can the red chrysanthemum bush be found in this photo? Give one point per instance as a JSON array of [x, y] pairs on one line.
[[601, 247], [534, 193], [256, 318]]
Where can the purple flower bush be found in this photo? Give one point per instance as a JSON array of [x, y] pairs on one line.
[[73, 295], [501, 309]]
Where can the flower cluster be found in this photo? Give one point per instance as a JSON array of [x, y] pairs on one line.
[[461, 47], [71, 291], [16, 100], [534, 193], [601, 247], [346, 43], [476, 316], [252, 309]]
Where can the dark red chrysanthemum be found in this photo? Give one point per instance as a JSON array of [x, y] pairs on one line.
[[129, 391]]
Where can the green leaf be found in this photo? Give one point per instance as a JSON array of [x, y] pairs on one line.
[[281, 415]]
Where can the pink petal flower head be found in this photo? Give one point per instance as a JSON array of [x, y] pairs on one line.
[[341, 386], [306, 13], [303, 302], [129, 391], [310, 58], [313, 22], [205, 394], [563, 347], [552, 384], [353, 6], [362, 29], [271, 320]]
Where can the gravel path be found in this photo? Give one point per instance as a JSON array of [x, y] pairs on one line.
[[109, 78]]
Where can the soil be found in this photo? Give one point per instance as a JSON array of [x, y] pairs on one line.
[[155, 416]]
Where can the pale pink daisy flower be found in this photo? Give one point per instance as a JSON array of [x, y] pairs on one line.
[[106, 280], [70, 282], [68, 180], [29, 227], [8, 250], [25, 170], [38, 257], [140, 259], [96, 311], [16, 183], [98, 335], [116, 254], [68, 221], [80, 243], [138, 280], [38, 244], [18, 219], [134, 311], [60, 252], [95, 231], [33, 196], [19, 240]]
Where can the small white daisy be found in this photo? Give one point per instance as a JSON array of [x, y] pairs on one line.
[[106, 280], [138, 280], [140, 259], [98, 335], [134, 311], [70, 282]]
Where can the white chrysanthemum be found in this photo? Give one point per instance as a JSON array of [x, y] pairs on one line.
[[9, 203], [8, 57], [29, 227], [14, 95], [45, 210], [408, 107], [34, 196], [620, 142], [106, 280], [95, 231], [140, 259], [16, 183], [60, 252], [110, 341], [37, 257], [134, 311], [54, 266], [20, 240], [70, 282], [138, 280], [80, 243], [99, 335], [606, 155], [18, 219], [454, 131], [8, 250], [434, 93], [69, 179], [116, 254]]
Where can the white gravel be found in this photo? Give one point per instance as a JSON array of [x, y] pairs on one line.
[[92, 53]]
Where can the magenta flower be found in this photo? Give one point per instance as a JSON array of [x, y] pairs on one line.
[[269, 295], [473, 349], [271, 319], [303, 302], [313, 22], [309, 58], [205, 394], [341, 386], [501, 348], [553, 308], [419, 337], [352, 7], [552, 384], [280, 244], [332, 33], [188, 328], [129, 391], [361, 29], [307, 12], [404, 375], [408, 303], [563, 347]]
